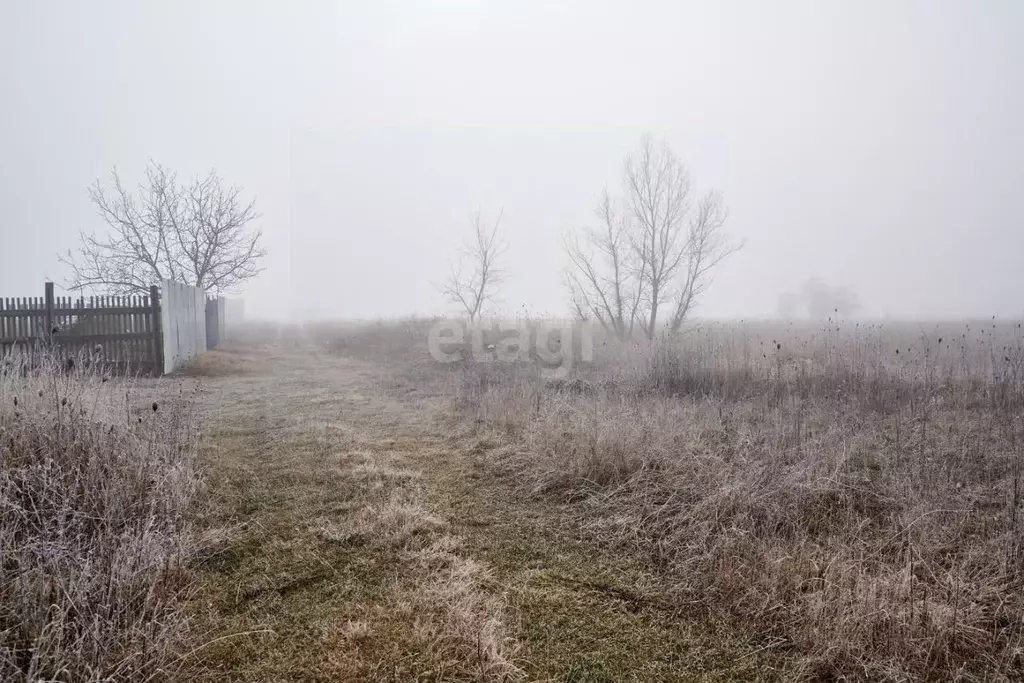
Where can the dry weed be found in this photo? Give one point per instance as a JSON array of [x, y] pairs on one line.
[[94, 485], [857, 505]]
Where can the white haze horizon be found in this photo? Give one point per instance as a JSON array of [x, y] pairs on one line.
[[872, 145]]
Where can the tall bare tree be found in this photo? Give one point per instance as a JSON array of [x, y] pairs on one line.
[[600, 270], [706, 247], [657, 252], [473, 286], [657, 187], [197, 234]]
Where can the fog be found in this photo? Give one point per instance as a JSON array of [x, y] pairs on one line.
[[874, 145]]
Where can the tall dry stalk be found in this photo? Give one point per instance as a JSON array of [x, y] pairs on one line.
[[95, 478], [850, 491]]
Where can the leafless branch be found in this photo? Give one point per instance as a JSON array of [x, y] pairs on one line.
[[653, 253], [599, 268], [472, 289], [706, 247], [195, 234]]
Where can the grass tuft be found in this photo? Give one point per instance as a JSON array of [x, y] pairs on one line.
[[861, 509], [94, 546]]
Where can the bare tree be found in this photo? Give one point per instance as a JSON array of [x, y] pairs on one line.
[[657, 252], [706, 247], [196, 234], [657, 189], [599, 273], [472, 288]]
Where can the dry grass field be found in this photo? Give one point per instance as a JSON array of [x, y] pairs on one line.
[[358, 532], [850, 492], [97, 475], [752, 501]]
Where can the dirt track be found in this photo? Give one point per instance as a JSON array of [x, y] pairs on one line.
[[354, 532]]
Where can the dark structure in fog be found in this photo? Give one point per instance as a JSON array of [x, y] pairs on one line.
[[818, 300]]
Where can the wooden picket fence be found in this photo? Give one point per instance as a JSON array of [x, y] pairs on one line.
[[118, 331]]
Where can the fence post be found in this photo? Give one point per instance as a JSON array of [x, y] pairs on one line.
[[48, 334], [209, 313], [158, 344], [222, 319]]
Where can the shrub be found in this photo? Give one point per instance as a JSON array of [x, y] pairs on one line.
[[94, 484]]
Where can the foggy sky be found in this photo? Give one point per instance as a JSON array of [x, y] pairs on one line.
[[873, 144]]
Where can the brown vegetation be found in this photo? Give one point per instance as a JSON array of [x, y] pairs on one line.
[[95, 479], [330, 564], [852, 492], [743, 502]]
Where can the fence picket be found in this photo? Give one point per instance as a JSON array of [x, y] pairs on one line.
[[124, 330], [117, 323]]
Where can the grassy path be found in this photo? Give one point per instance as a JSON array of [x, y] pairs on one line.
[[584, 612], [352, 536]]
